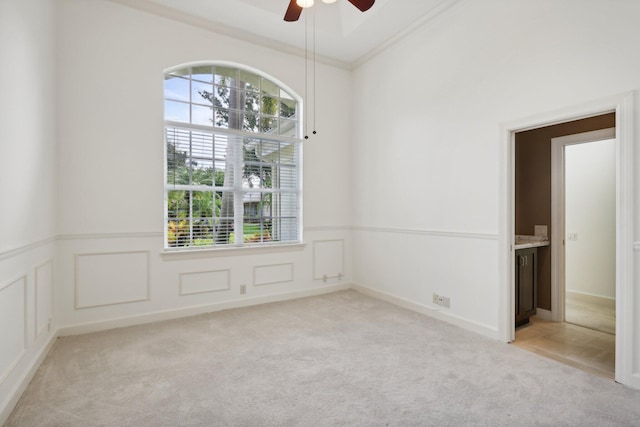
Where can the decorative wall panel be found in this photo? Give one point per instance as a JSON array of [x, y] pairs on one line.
[[204, 281], [111, 278], [43, 297], [328, 259], [272, 274], [13, 324]]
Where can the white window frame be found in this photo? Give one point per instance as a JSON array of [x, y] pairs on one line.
[[237, 189]]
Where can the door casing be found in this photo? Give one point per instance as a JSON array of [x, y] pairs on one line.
[[623, 105]]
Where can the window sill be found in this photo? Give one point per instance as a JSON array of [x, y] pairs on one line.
[[171, 255]]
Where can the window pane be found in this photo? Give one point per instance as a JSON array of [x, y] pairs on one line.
[[176, 111], [224, 222], [235, 119], [287, 154], [257, 173], [270, 88], [176, 88], [204, 209], [250, 122], [287, 178], [268, 125], [178, 152], [201, 115], [202, 73], [287, 108], [225, 151], [178, 233], [285, 229], [178, 223], [202, 159], [225, 76], [223, 97], [221, 118], [202, 93], [177, 204], [285, 95], [249, 81], [269, 106], [256, 223], [251, 101], [288, 128]]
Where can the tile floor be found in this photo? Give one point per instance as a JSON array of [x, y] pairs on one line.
[[587, 349]]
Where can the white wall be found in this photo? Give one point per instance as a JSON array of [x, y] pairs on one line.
[[110, 216], [427, 118], [28, 177], [590, 209]]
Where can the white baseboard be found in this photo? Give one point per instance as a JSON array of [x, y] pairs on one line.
[[158, 316], [12, 400], [543, 314], [436, 313], [590, 295]]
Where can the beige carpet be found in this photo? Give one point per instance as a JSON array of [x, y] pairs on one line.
[[590, 312], [341, 359]]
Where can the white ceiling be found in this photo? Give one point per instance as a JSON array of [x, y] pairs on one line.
[[343, 33]]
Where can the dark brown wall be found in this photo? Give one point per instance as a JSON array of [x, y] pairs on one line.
[[533, 186]]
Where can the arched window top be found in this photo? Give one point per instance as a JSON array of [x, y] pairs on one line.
[[226, 96]]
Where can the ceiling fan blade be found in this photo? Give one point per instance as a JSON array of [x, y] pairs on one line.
[[363, 5], [293, 12]]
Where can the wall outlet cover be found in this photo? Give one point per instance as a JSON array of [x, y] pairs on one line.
[[540, 230]]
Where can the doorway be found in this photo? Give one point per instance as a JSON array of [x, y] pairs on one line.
[[623, 107], [552, 177]]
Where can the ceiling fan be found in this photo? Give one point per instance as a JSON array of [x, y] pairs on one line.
[[295, 7]]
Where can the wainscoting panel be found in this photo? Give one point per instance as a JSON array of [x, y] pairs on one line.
[[43, 297], [205, 281], [13, 324], [111, 278], [328, 259], [272, 274]]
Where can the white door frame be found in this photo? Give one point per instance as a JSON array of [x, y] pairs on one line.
[[623, 105], [558, 259]]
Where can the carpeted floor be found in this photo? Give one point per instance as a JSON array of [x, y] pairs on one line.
[[341, 359]]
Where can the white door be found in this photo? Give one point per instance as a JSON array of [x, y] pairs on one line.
[[584, 219]]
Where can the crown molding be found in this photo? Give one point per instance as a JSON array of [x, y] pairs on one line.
[[225, 30]]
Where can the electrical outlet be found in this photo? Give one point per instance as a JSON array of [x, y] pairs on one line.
[[243, 289], [324, 278], [540, 230], [440, 300]]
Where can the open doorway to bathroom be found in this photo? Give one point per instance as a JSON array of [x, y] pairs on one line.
[[548, 332]]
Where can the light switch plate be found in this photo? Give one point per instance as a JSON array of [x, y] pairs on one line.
[[540, 230]]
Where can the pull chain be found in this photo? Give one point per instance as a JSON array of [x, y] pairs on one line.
[[306, 74], [314, 73]]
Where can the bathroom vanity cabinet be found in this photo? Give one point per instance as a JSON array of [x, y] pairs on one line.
[[526, 284]]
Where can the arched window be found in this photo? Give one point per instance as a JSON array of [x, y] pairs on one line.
[[232, 158]]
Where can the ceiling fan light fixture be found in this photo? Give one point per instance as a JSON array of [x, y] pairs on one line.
[[329, 1], [304, 3]]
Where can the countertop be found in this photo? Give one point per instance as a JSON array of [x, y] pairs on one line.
[[525, 242]]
